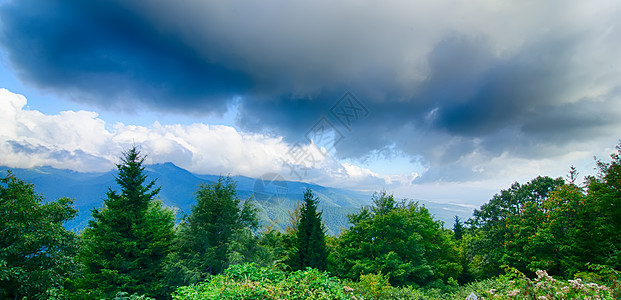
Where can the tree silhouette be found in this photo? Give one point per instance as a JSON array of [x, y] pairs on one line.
[[310, 236], [128, 239]]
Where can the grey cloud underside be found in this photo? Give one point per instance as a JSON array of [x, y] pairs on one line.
[[108, 54], [78, 157], [468, 96]]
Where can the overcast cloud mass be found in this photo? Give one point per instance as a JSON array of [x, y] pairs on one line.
[[469, 90]]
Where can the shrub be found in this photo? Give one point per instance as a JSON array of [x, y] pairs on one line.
[[547, 287], [247, 281]]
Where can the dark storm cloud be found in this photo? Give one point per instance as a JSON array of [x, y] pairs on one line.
[[494, 93], [103, 52], [470, 102], [439, 84]]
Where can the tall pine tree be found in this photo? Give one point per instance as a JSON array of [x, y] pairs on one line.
[[127, 240], [310, 236]]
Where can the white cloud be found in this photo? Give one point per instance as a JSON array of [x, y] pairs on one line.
[[81, 141]]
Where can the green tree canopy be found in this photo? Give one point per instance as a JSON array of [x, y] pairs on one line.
[[561, 241], [604, 192], [311, 250], [551, 225], [458, 228], [218, 219], [128, 239], [505, 223], [397, 239], [36, 252]]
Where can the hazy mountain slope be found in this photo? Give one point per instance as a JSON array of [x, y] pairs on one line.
[[273, 198]]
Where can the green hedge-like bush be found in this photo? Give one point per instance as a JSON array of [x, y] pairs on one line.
[[247, 281]]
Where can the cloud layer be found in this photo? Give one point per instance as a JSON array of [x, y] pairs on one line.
[[82, 142], [453, 85]]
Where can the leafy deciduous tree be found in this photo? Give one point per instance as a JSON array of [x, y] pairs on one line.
[[36, 252], [604, 192], [505, 223], [561, 239], [397, 239]]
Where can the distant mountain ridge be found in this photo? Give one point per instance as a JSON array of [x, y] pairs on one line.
[[274, 196]]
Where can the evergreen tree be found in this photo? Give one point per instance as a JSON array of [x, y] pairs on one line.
[[36, 252], [310, 236], [218, 230], [128, 239], [458, 229]]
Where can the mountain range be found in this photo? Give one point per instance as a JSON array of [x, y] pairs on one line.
[[274, 196]]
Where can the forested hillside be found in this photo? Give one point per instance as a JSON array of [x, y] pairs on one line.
[[549, 238], [179, 185]]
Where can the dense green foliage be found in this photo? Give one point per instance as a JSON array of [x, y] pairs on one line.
[[398, 239], [604, 196], [216, 233], [531, 241], [458, 229], [36, 252], [506, 224], [128, 239], [247, 281], [551, 225], [310, 250]]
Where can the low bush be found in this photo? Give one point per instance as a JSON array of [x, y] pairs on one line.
[[247, 281]]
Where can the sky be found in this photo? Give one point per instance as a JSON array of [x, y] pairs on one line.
[[446, 101]]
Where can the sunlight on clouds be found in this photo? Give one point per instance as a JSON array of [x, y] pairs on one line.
[[81, 141], [10, 105], [390, 181]]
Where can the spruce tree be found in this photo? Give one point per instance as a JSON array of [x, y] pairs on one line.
[[127, 240], [310, 236], [458, 229], [212, 234]]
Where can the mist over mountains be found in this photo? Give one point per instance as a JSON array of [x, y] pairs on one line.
[[273, 196]]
